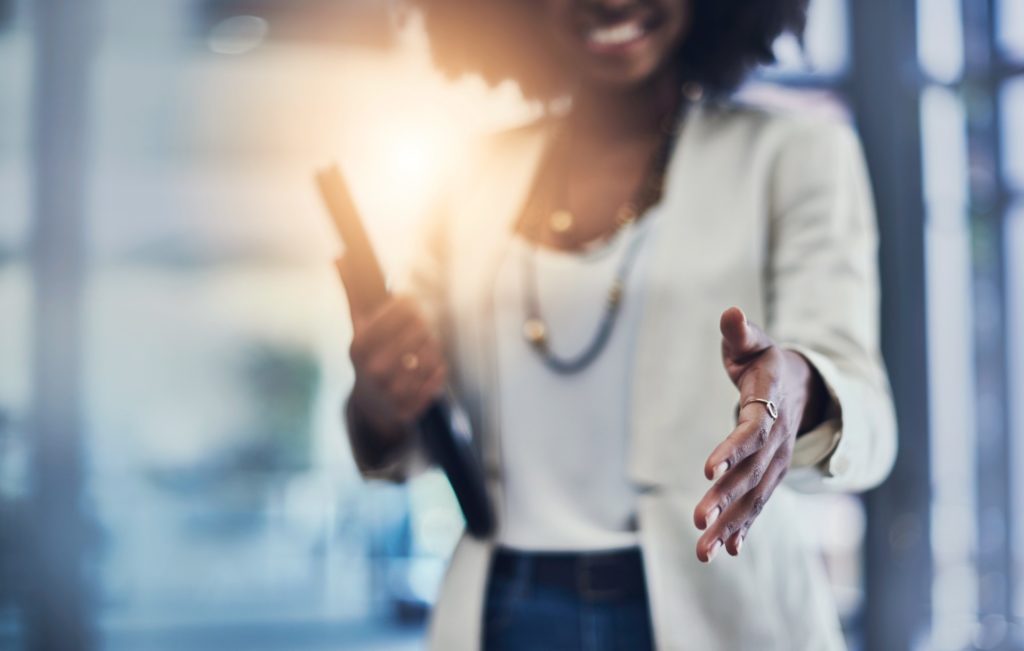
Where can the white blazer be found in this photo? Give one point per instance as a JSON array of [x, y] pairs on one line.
[[769, 212]]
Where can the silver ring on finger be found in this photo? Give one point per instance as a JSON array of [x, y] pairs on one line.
[[773, 410]]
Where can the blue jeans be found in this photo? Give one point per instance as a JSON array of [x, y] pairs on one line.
[[525, 613]]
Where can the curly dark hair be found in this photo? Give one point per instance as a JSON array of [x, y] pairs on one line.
[[493, 38]]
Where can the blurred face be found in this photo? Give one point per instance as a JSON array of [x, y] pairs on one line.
[[615, 43]]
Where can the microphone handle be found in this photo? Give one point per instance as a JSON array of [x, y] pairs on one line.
[[456, 458]]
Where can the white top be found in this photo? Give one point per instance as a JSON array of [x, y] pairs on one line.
[[564, 437]]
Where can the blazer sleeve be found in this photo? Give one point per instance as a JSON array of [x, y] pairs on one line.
[[823, 302], [422, 276]]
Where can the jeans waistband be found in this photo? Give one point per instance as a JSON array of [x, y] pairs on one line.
[[598, 576]]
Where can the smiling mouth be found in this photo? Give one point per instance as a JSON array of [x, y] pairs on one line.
[[616, 37]]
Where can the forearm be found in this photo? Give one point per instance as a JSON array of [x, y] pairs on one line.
[[809, 386]]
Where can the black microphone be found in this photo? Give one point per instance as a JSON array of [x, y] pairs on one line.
[[452, 452]]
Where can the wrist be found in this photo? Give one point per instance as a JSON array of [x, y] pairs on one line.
[[371, 420], [810, 395]]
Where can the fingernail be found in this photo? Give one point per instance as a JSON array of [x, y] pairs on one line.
[[739, 544], [713, 515], [714, 550], [719, 470]]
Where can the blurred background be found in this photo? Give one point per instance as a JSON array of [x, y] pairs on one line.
[[173, 341]]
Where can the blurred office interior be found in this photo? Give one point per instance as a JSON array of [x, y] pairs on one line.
[[173, 347]]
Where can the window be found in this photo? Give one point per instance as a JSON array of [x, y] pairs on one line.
[[223, 505], [15, 306]]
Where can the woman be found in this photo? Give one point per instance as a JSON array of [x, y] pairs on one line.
[[576, 287]]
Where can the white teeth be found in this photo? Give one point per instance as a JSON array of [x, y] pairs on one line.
[[616, 34]]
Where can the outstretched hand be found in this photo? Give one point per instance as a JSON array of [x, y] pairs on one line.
[[748, 465]]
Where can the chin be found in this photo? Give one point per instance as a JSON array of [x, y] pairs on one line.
[[620, 78]]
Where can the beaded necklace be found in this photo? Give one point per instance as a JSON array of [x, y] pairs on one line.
[[560, 220]]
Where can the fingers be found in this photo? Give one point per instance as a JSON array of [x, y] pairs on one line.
[[411, 341], [730, 486], [398, 360], [378, 330], [746, 468], [748, 437], [408, 385], [755, 502], [745, 475], [429, 391], [741, 339], [730, 527]]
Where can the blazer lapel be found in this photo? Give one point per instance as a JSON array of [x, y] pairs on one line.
[[496, 192]]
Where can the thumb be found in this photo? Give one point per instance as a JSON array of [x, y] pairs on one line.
[[740, 338]]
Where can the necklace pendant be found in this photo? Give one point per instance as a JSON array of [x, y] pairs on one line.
[[693, 91], [627, 214], [534, 331], [615, 294], [561, 221]]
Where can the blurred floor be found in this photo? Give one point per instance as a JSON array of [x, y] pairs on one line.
[[376, 635]]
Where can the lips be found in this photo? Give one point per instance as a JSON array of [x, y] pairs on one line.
[[617, 36]]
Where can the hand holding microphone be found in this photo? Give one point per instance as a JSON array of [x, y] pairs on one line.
[[398, 362], [400, 369]]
